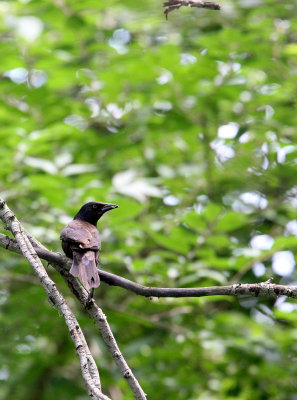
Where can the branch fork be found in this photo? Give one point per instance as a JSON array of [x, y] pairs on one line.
[[176, 4], [29, 247]]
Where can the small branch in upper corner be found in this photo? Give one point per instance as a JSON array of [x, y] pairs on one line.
[[175, 4]]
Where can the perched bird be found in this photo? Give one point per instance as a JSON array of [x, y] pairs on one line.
[[81, 242]]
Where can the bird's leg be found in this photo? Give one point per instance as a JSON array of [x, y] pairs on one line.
[[90, 297]]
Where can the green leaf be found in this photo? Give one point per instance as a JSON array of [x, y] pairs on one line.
[[231, 221], [195, 220]]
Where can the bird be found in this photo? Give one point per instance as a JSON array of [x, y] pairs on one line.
[[81, 242]]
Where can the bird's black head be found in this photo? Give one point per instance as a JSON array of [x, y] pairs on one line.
[[92, 211]]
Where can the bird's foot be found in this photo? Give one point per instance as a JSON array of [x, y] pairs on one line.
[[90, 298]]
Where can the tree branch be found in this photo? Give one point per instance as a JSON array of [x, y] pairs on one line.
[[89, 369], [176, 4], [99, 318], [62, 264], [262, 289]]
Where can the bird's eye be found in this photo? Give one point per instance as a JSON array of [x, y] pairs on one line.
[[94, 206]]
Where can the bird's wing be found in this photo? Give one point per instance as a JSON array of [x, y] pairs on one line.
[[83, 234], [85, 268]]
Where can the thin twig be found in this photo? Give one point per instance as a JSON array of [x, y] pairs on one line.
[[88, 366], [34, 241], [176, 4], [262, 289]]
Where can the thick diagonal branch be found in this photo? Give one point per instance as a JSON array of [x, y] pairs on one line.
[[101, 322], [88, 366], [62, 265]]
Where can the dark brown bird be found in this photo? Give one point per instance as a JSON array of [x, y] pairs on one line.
[[81, 242]]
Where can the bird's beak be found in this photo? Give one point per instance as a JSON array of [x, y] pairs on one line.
[[108, 207]]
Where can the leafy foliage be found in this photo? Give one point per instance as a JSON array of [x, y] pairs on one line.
[[188, 125]]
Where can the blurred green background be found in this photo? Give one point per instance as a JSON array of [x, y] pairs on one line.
[[190, 127]]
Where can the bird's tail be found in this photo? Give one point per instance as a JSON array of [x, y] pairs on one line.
[[84, 267]]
